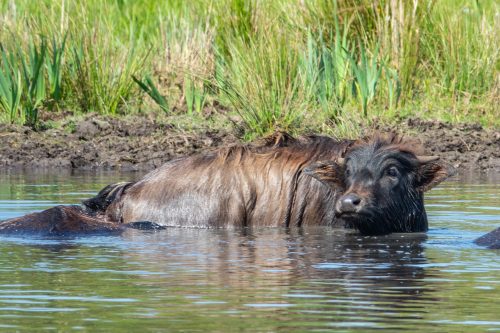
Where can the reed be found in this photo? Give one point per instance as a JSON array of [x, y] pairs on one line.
[[149, 87]]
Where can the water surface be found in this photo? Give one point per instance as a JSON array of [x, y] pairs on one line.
[[272, 280]]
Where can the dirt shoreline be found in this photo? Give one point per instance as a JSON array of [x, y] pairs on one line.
[[142, 144]]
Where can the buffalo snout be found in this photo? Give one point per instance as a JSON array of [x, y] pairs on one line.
[[350, 203]]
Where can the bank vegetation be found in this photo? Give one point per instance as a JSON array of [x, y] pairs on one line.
[[292, 65]]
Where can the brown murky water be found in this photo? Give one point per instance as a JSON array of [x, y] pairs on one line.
[[314, 279]]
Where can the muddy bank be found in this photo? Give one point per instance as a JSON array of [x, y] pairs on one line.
[[133, 143], [469, 147], [136, 143]]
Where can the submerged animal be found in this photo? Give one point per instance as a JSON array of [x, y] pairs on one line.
[[375, 185], [491, 240]]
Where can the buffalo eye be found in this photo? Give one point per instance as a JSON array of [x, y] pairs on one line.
[[392, 172], [347, 172]]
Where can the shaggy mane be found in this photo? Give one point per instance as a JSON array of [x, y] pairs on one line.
[[390, 141], [279, 140], [268, 144]]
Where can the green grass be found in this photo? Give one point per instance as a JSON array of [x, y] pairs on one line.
[[318, 65], [263, 83], [463, 48]]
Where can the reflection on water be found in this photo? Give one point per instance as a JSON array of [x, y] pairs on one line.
[[314, 279]]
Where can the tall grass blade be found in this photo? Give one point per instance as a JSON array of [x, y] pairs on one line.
[[148, 86], [55, 68]]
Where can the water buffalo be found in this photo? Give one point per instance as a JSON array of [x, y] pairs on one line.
[[490, 240], [375, 185]]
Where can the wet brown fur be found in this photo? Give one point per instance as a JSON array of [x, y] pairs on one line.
[[59, 220], [235, 186]]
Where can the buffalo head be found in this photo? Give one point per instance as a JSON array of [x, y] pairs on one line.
[[380, 185]]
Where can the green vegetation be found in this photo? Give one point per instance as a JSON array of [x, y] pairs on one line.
[[286, 64]]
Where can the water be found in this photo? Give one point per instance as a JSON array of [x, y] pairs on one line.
[[263, 280]]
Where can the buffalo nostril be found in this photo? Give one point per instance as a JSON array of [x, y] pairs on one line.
[[349, 203], [352, 199]]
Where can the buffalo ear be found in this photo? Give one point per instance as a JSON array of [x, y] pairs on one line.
[[432, 173], [327, 172]]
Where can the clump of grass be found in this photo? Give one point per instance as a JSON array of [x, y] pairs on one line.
[[101, 80], [367, 76], [263, 83]]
